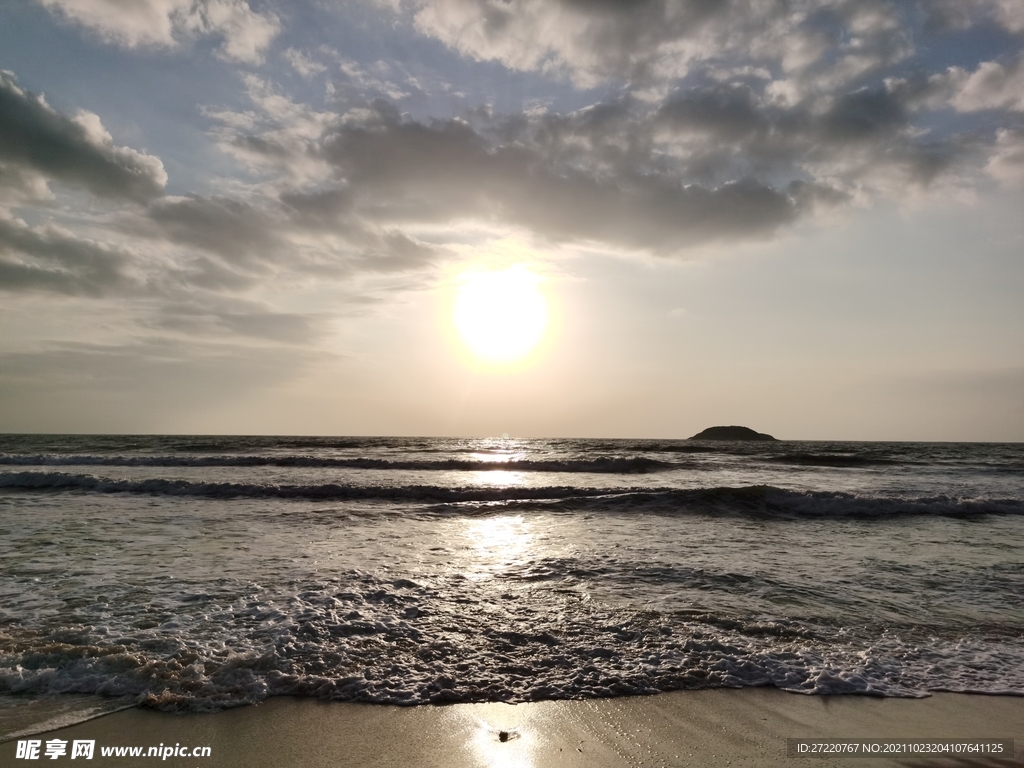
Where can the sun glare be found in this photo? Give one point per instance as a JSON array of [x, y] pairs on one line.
[[500, 316]]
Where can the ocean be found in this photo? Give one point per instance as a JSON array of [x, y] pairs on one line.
[[200, 573]]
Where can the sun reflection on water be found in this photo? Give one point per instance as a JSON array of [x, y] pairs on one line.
[[491, 457], [498, 543], [497, 478]]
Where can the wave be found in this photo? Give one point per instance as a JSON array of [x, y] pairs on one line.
[[62, 481], [835, 460], [769, 501], [598, 465], [406, 643], [744, 501]]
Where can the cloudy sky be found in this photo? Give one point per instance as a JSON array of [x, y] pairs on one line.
[[253, 217]]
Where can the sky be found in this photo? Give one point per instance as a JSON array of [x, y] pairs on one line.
[[220, 216]]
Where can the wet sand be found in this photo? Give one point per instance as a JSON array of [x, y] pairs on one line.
[[746, 727]]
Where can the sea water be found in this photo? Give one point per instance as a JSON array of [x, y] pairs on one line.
[[198, 573]]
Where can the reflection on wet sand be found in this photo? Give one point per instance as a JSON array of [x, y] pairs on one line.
[[500, 746]]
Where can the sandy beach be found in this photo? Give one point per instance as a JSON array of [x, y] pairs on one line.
[[691, 728]]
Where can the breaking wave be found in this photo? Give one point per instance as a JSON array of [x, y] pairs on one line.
[[751, 500], [407, 643]]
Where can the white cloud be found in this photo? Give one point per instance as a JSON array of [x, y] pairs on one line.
[[140, 22], [279, 136], [1007, 162], [589, 42], [1009, 13], [303, 64], [20, 185], [658, 40], [990, 86], [368, 83], [246, 34]]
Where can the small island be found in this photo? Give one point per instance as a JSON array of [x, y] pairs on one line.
[[731, 433]]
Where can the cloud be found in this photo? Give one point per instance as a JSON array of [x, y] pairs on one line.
[[234, 229], [346, 193], [145, 22], [721, 161], [49, 259], [212, 316], [990, 86], [365, 82], [1007, 161], [185, 291], [401, 172], [299, 234], [645, 41], [303, 64], [858, 138], [717, 162], [228, 245], [35, 138], [20, 185], [783, 113], [945, 15], [591, 42], [279, 137], [1009, 13], [246, 34], [731, 113]]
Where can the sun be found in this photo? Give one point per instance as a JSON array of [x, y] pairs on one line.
[[501, 315]]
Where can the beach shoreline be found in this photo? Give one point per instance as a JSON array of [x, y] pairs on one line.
[[734, 727]]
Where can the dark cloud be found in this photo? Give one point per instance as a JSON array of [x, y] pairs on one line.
[[395, 252], [46, 259], [728, 113], [322, 209], [401, 171], [862, 115], [297, 235], [737, 115], [239, 231], [274, 326], [715, 162], [72, 150], [721, 161], [219, 317], [777, 118], [944, 15], [731, 129]]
